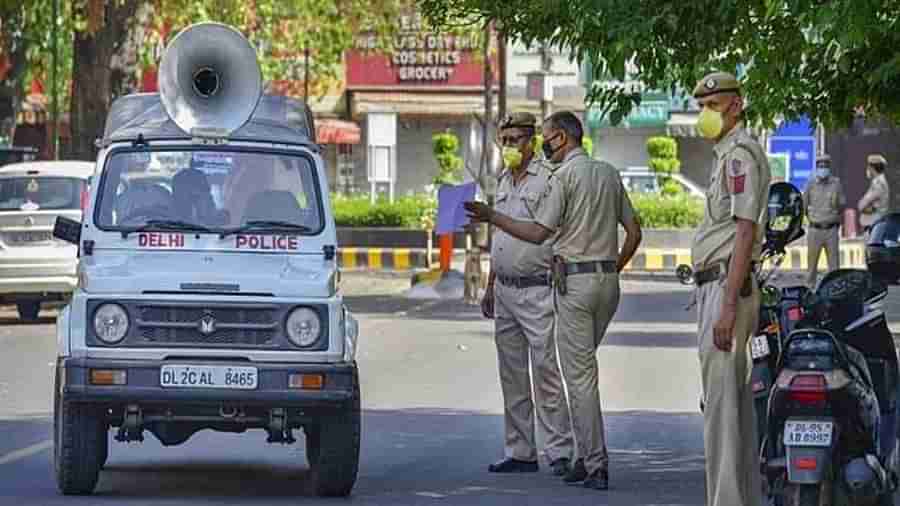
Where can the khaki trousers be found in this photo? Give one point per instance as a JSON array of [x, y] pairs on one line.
[[583, 315], [817, 239], [524, 329], [729, 424]]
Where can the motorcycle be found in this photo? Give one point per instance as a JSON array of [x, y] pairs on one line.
[[832, 422]]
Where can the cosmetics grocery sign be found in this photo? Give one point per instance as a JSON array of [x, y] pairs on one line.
[[419, 59]]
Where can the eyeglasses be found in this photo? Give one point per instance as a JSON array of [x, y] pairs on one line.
[[513, 140]]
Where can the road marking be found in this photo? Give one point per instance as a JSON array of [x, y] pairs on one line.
[[26, 452]]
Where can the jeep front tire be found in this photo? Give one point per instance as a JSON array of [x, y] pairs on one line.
[[80, 445], [335, 442]]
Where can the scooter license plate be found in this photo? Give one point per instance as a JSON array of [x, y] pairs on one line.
[[759, 347], [807, 433]]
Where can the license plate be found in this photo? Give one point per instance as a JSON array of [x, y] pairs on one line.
[[759, 347], [25, 237], [208, 376], [807, 433]]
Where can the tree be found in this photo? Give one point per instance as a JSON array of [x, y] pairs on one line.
[[446, 148], [821, 59], [120, 31], [26, 30], [664, 162]]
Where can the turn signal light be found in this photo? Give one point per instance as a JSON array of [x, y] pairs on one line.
[[306, 381], [808, 388], [108, 377]]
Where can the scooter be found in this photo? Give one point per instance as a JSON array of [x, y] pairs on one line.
[[832, 422]]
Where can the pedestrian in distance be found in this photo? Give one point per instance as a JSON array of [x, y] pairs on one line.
[[824, 199], [874, 204]]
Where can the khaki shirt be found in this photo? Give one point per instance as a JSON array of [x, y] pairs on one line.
[[511, 256], [875, 198], [824, 200], [738, 188], [585, 203]]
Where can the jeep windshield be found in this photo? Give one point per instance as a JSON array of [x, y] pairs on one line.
[[209, 192]]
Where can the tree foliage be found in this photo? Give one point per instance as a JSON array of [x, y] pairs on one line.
[[822, 59]]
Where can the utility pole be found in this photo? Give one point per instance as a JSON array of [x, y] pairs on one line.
[[53, 75], [306, 74], [501, 63], [546, 66]]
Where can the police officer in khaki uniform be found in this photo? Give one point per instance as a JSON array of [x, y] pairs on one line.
[[519, 298], [583, 207], [727, 242], [874, 204], [824, 199]]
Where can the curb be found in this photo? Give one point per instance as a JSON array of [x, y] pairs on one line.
[[649, 260]]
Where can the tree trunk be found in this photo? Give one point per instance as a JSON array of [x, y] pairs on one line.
[[92, 74], [11, 92]]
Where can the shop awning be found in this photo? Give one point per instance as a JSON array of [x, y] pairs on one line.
[[682, 124], [335, 131]]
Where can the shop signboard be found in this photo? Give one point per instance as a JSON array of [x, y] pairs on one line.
[[419, 59]]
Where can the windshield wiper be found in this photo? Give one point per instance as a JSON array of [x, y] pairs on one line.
[[266, 224], [166, 225]]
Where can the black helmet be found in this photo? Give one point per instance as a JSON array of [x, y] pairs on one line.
[[883, 249], [785, 218]]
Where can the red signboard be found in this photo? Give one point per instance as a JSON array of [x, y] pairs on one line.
[[419, 59]]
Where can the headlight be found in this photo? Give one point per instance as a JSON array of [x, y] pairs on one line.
[[110, 323], [303, 326]]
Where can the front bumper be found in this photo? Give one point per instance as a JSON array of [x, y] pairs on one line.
[[37, 285], [143, 384]]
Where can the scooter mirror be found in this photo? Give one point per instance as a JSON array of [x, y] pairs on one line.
[[770, 296], [685, 274]]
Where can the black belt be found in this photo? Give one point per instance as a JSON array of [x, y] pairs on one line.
[[714, 273], [821, 226], [607, 266], [524, 282]]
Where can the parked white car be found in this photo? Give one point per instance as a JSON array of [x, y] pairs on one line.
[[35, 267], [644, 180]]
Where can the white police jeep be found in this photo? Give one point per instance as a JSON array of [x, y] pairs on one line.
[[207, 292]]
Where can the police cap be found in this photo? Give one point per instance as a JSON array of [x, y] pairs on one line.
[[717, 82], [518, 120], [876, 160]]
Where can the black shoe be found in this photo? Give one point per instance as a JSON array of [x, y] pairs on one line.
[[598, 480], [560, 466], [577, 473], [511, 465]]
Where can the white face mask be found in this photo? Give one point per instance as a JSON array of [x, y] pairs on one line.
[[823, 172]]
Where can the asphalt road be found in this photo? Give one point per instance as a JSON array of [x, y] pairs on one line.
[[431, 425]]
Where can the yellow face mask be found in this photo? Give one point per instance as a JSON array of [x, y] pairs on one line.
[[710, 123], [512, 158]]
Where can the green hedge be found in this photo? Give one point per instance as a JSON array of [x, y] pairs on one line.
[[357, 211], [681, 211]]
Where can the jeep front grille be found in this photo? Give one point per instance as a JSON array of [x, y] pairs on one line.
[[230, 325]]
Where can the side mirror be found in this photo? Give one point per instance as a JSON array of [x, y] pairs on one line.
[[685, 274], [770, 296], [67, 230]]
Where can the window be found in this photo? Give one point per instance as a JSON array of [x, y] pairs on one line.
[[213, 189], [40, 193]]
